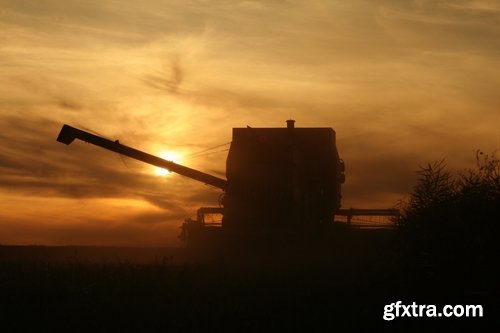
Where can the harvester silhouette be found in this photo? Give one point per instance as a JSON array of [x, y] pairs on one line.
[[279, 180]]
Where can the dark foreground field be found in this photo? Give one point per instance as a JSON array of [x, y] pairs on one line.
[[345, 285]]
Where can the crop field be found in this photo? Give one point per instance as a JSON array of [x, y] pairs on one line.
[[344, 286]]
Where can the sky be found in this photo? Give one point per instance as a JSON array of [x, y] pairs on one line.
[[402, 83]]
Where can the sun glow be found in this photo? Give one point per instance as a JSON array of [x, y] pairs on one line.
[[169, 156]]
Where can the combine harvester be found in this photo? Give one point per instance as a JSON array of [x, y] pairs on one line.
[[282, 183]]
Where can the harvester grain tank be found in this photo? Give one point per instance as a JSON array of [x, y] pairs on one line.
[[277, 178], [282, 177]]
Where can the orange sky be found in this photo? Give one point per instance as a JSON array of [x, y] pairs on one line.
[[402, 83]]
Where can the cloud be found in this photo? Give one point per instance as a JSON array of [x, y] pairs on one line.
[[170, 81], [34, 163], [139, 230], [443, 25], [402, 83], [158, 217]]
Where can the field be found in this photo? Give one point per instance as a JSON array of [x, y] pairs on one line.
[[345, 285]]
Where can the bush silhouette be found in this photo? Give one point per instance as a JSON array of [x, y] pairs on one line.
[[449, 223]]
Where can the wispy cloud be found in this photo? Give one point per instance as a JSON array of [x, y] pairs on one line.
[[402, 83]]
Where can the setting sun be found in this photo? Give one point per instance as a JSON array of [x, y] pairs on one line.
[[169, 156]]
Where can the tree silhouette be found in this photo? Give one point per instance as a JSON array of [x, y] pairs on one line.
[[449, 223]]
